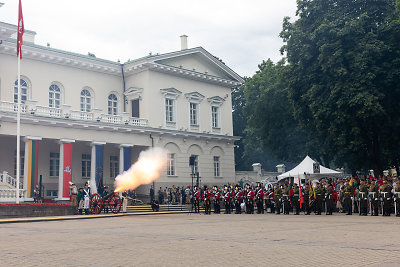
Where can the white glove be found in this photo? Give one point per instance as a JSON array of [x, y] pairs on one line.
[[376, 199], [352, 198], [388, 198]]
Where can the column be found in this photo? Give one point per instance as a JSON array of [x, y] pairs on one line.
[[125, 155], [96, 167], [65, 169], [31, 165]]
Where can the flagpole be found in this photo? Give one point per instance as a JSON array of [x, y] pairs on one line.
[[18, 127]]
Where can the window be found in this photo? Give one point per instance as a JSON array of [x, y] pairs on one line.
[[51, 193], [24, 91], [112, 104], [216, 167], [169, 110], [171, 164], [21, 163], [54, 96], [54, 164], [196, 163], [193, 113], [86, 162], [214, 116], [114, 166], [86, 101]]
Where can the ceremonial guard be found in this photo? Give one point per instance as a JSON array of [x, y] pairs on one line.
[[277, 198], [329, 198], [348, 195], [363, 198], [250, 201], [386, 192], [103, 194], [227, 200], [238, 200], [207, 200], [285, 199], [73, 191], [268, 199], [81, 200], [306, 197], [319, 196], [374, 198], [86, 198], [260, 199], [397, 198], [217, 200], [295, 199], [196, 199]]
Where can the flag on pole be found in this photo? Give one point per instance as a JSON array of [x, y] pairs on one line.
[[21, 30]]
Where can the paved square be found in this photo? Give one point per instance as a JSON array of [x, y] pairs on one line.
[[200, 240]]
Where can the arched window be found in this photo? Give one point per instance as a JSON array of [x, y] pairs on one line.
[[54, 96], [86, 101], [24, 91], [112, 104]]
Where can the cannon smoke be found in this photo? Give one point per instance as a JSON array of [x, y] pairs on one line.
[[148, 168]]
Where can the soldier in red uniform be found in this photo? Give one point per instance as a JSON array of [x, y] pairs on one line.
[[260, 199], [217, 200], [250, 201], [227, 200], [238, 200], [207, 200], [196, 199]]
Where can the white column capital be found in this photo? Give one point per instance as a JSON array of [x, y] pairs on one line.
[[94, 143], [65, 140], [125, 145], [32, 138]]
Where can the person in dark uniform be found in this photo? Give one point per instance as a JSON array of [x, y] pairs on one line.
[[319, 194], [348, 194], [386, 195], [329, 198], [103, 194], [277, 198], [227, 200], [250, 199], [207, 200], [397, 197], [306, 197], [260, 199], [363, 198], [374, 198], [295, 199], [285, 199]]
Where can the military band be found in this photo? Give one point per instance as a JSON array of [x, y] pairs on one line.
[[372, 197]]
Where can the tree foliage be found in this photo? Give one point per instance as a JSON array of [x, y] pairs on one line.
[[343, 79]]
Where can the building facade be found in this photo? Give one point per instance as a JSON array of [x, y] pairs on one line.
[[87, 118]]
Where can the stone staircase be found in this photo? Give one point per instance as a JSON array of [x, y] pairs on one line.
[[8, 186]]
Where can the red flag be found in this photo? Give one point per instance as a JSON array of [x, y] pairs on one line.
[[334, 192], [67, 168], [301, 194], [21, 30]]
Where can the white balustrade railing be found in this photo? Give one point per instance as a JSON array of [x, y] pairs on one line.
[[48, 112], [111, 118], [8, 179], [8, 195], [31, 108]]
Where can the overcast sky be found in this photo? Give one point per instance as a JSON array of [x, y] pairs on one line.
[[241, 33]]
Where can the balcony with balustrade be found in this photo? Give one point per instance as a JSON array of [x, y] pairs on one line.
[[30, 107]]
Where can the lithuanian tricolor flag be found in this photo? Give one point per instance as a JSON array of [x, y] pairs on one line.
[[33, 158]]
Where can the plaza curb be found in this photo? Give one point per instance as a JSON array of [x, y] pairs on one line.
[[84, 217]]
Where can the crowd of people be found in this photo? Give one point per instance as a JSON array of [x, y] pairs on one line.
[[362, 195]]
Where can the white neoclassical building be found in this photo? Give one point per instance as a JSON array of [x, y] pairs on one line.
[[86, 117]]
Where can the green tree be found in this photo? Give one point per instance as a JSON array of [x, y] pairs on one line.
[[343, 78]]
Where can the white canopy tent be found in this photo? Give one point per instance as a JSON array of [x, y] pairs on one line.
[[310, 168]]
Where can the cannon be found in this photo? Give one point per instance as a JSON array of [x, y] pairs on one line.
[[97, 203]]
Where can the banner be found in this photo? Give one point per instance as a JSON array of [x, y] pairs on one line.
[[33, 159], [21, 30], [99, 168], [67, 168], [127, 158]]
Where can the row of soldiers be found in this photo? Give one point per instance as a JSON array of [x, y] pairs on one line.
[[367, 196]]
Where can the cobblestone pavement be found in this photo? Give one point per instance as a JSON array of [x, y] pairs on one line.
[[200, 240]]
